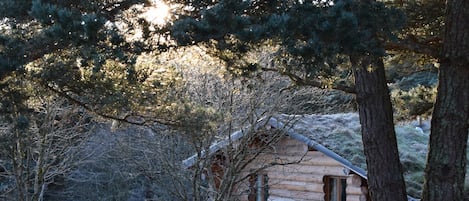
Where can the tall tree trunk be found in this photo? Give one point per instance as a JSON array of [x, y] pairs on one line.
[[385, 178], [446, 161]]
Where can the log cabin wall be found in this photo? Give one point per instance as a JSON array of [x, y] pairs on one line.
[[300, 174]]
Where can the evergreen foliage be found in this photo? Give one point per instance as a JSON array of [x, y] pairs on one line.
[[82, 51], [312, 34]]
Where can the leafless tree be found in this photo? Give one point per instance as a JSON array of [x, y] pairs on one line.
[[138, 163], [243, 104], [42, 150]]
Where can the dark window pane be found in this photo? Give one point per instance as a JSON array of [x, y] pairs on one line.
[[343, 192]]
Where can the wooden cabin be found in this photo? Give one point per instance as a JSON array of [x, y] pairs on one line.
[[301, 173], [318, 157]]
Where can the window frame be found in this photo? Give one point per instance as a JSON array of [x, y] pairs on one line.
[[337, 184], [258, 187]]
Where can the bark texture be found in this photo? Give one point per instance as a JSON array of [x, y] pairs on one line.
[[385, 179], [446, 161]]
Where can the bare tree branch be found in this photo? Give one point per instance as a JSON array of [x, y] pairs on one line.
[[134, 119]]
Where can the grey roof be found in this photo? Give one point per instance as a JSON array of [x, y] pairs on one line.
[[339, 137], [189, 162], [317, 146]]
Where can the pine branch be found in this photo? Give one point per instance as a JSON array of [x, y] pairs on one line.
[[311, 82], [134, 119], [112, 10], [430, 46]]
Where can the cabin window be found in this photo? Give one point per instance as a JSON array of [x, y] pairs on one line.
[[258, 187], [334, 188]]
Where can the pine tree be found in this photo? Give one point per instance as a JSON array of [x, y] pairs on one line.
[[316, 40], [77, 49], [446, 162]]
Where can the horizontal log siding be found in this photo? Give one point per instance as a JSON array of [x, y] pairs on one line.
[[303, 180]]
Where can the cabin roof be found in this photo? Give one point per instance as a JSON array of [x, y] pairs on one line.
[[339, 137]]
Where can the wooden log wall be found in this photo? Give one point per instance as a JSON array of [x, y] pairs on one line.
[[303, 180]]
